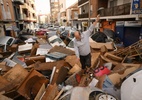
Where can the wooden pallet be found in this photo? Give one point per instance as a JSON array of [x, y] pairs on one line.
[[131, 51]]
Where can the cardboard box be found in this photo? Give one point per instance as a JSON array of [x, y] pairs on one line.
[[32, 84]]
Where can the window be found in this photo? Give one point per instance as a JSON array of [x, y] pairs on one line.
[[113, 3], [3, 10], [8, 11], [29, 15], [75, 14], [126, 1], [34, 15]]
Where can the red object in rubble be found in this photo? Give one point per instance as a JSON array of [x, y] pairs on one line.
[[78, 78], [101, 71], [41, 32]]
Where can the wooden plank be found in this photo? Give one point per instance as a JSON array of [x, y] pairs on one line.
[[108, 60], [51, 92], [61, 70], [62, 50], [96, 45], [117, 78], [32, 84], [16, 75], [4, 67], [32, 60], [74, 69], [94, 59], [34, 49], [113, 57], [40, 93], [2, 97], [59, 94], [72, 60], [4, 84]]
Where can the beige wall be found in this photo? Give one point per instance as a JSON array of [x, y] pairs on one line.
[[28, 6]]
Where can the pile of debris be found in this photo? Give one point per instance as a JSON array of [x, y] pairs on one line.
[[54, 74]]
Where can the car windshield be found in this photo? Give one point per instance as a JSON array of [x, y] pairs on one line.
[[71, 44], [56, 40], [67, 28], [65, 32], [72, 35]]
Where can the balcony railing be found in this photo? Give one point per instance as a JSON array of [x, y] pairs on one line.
[[22, 17], [81, 2], [115, 11], [85, 15], [20, 2]]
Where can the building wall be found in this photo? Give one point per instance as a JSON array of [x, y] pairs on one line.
[[93, 8], [54, 11], [68, 14], [62, 5], [74, 14], [9, 12], [31, 11], [28, 20], [2, 33], [108, 25], [7, 18], [0, 13]]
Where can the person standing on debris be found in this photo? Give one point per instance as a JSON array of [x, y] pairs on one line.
[[82, 46]]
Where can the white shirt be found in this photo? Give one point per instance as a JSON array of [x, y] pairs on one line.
[[82, 47]]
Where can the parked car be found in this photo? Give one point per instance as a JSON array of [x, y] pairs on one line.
[[56, 28], [41, 32], [99, 37], [55, 40], [51, 29], [50, 33], [67, 34], [70, 45], [64, 34], [6, 41], [71, 34]]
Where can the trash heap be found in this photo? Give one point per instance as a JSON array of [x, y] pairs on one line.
[[54, 74]]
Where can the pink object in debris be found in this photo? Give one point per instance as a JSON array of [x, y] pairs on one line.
[[101, 71]]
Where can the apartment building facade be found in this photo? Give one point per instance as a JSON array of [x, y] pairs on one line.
[[62, 14], [16, 8], [54, 9], [67, 12], [28, 16], [7, 19], [72, 15], [124, 17]]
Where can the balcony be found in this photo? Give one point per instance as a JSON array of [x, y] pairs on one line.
[[115, 11], [85, 15], [82, 2], [20, 2], [22, 17]]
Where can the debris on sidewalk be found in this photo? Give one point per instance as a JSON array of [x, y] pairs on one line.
[[39, 71]]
